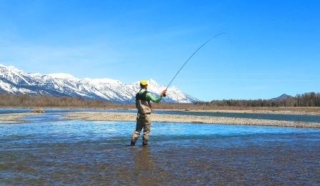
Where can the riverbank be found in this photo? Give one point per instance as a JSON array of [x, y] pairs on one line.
[[170, 118], [15, 117]]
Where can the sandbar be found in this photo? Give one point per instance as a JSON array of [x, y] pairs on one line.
[[15, 117], [171, 118]]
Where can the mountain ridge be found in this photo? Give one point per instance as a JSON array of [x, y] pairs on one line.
[[281, 97], [16, 81]]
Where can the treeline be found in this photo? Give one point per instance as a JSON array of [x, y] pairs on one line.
[[9, 100], [311, 99], [301, 100]]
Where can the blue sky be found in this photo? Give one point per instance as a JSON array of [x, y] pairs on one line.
[[271, 46]]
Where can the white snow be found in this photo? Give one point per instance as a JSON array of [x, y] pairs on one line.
[[66, 84]]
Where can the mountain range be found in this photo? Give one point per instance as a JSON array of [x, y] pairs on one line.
[[15, 81]]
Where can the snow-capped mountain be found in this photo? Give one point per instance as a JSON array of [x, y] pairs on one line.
[[15, 81]]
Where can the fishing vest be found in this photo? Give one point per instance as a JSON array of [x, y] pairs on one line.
[[142, 103]]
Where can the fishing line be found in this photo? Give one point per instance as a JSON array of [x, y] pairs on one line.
[[222, 33]]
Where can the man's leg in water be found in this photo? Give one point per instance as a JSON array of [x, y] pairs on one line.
[[146, 129], [136, 134]]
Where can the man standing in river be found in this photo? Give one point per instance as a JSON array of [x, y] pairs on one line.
[[143, 104]]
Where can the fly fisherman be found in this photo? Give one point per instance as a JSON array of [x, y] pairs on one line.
[[143, 104]]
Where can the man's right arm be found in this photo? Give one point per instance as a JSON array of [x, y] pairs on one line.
[[154, 98]]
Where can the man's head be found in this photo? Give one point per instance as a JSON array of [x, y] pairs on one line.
[[143, 84]]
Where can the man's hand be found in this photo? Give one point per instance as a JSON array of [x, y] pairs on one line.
[[164, 92]]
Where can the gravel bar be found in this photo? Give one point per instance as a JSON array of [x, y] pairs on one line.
[[116, 116], [15, 117]]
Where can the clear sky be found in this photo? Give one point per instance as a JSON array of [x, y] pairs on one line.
[[271, 46]]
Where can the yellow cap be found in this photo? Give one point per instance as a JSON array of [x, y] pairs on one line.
[[143, 82]]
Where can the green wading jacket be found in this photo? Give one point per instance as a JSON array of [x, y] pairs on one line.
[[143, 98]]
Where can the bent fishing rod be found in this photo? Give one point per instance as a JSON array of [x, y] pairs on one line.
[[222, 33]]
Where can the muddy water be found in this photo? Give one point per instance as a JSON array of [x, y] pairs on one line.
[[97, 153]]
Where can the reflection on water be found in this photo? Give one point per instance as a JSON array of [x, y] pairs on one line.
[[97, 153]]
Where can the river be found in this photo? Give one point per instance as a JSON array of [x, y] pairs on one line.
[[48, 150]]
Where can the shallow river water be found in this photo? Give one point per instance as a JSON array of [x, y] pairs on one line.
[[50, 151]]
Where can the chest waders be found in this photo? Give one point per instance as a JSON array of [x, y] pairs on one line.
[[142, 103], [143, 118]]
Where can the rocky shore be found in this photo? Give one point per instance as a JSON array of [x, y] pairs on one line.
[[113, 116]]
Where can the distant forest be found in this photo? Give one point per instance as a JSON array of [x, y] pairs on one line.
[[311, 99], [301, 100], [9, 100]]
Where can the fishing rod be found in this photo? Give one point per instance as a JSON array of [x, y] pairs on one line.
[[222, 33]]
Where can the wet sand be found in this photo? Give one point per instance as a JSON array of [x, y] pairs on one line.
[[113, 116]]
